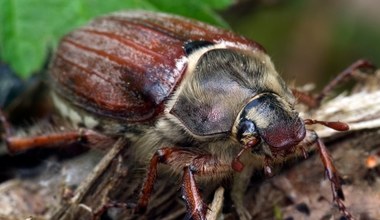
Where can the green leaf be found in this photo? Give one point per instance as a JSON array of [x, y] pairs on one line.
[[30, 28], [199, 9]]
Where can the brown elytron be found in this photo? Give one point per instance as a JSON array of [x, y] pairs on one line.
[[125, 65]]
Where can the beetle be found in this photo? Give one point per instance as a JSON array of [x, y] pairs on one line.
[[185, 94]]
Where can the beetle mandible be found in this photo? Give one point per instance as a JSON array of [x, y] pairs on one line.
[[184, 93]]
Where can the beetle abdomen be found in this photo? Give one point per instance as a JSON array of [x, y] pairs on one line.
[[124, 65]]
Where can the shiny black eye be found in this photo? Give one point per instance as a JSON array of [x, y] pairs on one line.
[[246, 128]]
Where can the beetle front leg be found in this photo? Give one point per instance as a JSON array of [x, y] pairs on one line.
[[333, 176], [330, 170], [202, 165], [192, 163]]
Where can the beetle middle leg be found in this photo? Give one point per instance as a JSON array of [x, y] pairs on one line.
[[315, 101], [192, 163]]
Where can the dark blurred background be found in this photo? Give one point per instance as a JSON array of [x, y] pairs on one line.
[[310, 41]]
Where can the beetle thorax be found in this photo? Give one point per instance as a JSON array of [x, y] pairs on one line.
[[218, 84]]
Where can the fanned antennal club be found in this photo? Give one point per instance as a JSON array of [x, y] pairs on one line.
[[336, 125]]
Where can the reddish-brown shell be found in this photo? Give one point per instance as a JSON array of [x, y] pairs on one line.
[[124, 65]]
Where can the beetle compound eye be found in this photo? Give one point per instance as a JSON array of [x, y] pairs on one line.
[[246, 131], [246, 127]]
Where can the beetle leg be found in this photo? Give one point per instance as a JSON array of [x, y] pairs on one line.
[[17, 144], [333, 176], [305, 98], [91, 138], [192, 163], [330, 170], [160, 156], [202, 165], [315, 101], [6, 126], [197, 209], [342, 76]]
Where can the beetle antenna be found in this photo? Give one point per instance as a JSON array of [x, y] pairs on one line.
[[236, 164], [336, 125]]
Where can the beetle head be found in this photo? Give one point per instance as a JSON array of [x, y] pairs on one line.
[[270, 119]]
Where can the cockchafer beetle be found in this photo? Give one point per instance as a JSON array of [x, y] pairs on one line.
[[185, 94]]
